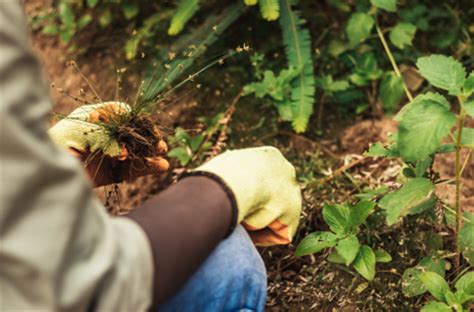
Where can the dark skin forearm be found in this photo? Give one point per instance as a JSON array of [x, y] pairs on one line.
[[184, 224]]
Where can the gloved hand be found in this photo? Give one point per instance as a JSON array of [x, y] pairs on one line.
[[84, 134], [265, 189]]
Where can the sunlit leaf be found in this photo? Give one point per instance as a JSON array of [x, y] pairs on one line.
[[402, 35], [348, 248], [364, 263], [443, 72], [435, 284], [316, 242], [387, 5], [399, 203], [359, 27]]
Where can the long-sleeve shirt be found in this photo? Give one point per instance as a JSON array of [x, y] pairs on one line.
[[59, 250]]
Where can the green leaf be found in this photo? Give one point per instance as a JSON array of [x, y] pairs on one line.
[[315, 242], [468, 88], [422, 127], [469, 107], [387, 5], [337, 217], [399, 203], [466, 284], [364, 263], [435, 284], [105, 19], [402, 35], [443, 72], [411, 284], [382, 256], [435, 306], [466, 241], [297, 41], [360, 212], [185, 11], [358, 27], [391, 91], [334, 257], [92, 3], [84, 21], [348, 248], [250, 2], [429, 96], [50, 29], [183, 154], [422, 166], [130, 10], [270, 9], [66, 14]]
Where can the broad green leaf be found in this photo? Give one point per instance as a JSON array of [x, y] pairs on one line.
[[337, 217], [466, 241], [469, 107], [443, 72], [402, 35], [382, 256], [250, 2], [334, 257], [316, 242], [422, 127], [431, 96], [387, 5], [411, 283], [378, 150], [451, 299], [466, 283], [469, 85], [364, 262], [359, 212], [348, 248], [435, 284], [358, 27], [435, 306], [391, 91], [399, 203]]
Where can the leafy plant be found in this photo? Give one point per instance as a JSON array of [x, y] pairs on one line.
[[447, 300], [344, 222]]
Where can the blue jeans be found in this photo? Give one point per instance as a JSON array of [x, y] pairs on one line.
[[233, 278]]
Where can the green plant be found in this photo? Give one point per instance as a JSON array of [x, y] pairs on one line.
[[344, 222], [447, 300], [423, 125]]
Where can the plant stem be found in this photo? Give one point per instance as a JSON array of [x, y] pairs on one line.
[[457, 179], [392, 60]]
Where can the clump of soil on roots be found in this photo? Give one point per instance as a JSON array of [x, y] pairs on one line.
[[140, 136]]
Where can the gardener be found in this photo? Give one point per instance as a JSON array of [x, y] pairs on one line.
[[184, 250]]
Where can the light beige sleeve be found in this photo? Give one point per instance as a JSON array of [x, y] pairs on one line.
[[59, 250]]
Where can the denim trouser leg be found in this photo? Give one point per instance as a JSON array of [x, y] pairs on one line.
[[233, 278]]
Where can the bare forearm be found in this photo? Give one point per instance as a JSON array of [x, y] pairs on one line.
[[184, 224]]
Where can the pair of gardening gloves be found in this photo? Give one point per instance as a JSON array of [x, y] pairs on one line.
[[261, 181]]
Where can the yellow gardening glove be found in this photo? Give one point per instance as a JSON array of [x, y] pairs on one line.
[[84, 133], [81, 130], [267, 194]]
